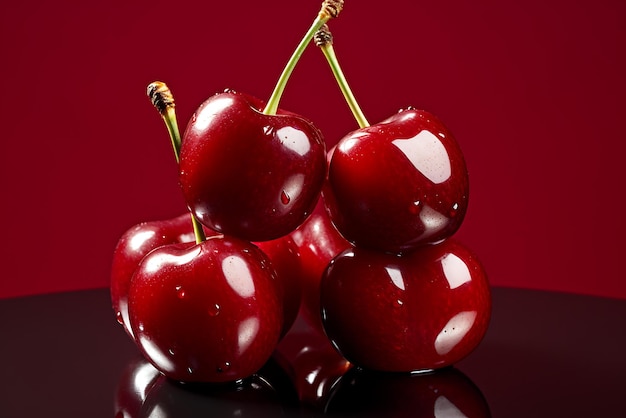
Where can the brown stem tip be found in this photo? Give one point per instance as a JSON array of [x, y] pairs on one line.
[[331, 8], [323, 36], [161, 96]]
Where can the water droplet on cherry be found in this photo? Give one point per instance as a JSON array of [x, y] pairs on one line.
[[416, 207], [284, 198], [228, 90], [223, 367], [180, 292], [454, 210], [119, 317], [214, 310]]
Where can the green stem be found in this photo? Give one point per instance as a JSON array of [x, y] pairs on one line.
[[163, 101], [329, 53], [272, 104], [172, 128]]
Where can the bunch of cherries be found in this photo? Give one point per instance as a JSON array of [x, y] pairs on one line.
[[356, 240]]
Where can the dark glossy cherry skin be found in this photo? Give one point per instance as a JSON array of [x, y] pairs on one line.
[[250, 175], [398, 184], [132, 247], [424, 310], [314, 363], [139, 240], [443, 393], [283, 253], [209, 312], [318, 242]]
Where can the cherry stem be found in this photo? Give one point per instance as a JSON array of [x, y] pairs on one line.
[[163, 100], [330, 9], [324, 40]]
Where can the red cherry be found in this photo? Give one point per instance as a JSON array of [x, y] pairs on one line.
[[424, 310], [314, 363], [139, 240], [398, 184], [132, 247], [445, 392], [248, 174], [283, 253], [318, 242], [208, 312]]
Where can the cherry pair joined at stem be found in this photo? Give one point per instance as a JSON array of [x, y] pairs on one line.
[[212, 310], [405, 298]]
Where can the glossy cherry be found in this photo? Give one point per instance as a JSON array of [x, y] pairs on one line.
[[284, 256], [424, 310], [142, 238], [132, 247], [318, 242], [254, 171], [247, 174], [314, 364], [207, 312], [398, 184]]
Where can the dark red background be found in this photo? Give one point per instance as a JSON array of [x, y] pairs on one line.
[[534, 92]]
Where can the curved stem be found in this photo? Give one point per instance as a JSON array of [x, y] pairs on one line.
[[163, 101], [329, 53], [330, 9], [324, 40], [272, 104]]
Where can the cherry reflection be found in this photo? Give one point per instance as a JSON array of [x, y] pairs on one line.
[[444, 393], [306, 377], [144, 393]]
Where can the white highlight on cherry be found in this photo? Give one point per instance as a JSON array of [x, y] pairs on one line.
[[433, 221], [426, 152], [454, 331], [396, 277], [294, 139], [139, 238], [156, 263], [213, 108], [456, 271], [444, 408], [238, 276], [154, 352], [293, 186], [346, 145], [247, 331]]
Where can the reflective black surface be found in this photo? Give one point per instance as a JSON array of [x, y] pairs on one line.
[[545, 355]]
